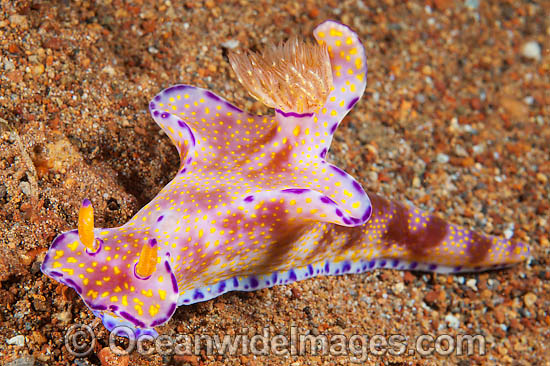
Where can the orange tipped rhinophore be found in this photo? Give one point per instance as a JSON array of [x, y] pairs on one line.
[[147, 262], [86, 226]]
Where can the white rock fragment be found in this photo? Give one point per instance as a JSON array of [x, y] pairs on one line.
[[472, 4], [509, 231], [18, 340], [230, 44], [398, 288], [109, 70], [452, 321], [19, 21], [8, 65], [442, 158], [531, 50]]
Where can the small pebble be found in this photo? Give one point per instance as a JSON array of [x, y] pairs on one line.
[[516, 109], [8, 65], [460, 151], [109, 70], [531, 50], [416, 182], [442, 158], [529, 299], [452, 321], [420, 98], [472, 4], [18, 340], [64, 316], [398, 288], [38, 69], [108, 358], [25, 187], [26, 360], [471, 283], [478, 149], [19, 21], [230, 44], [509, 231]]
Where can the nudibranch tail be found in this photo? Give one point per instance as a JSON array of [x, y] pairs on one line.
[[292, 77], [86, 226], [409, 235]]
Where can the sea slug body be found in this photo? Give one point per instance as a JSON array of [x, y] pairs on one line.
[[254, 203]]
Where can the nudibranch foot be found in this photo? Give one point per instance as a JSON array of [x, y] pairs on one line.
[[123, 327], [327, 268]]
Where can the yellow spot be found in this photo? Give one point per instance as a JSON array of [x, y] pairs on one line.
[[162, 294], [73, 245], [148, 293], [139, 309], [125, 300], [153, 310], [114, 299], [335, 33]]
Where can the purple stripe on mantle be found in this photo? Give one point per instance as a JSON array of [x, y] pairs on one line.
[[352, 102], [295, 190], [293, 114]]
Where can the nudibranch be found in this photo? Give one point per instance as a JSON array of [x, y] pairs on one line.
[[254, 203]]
